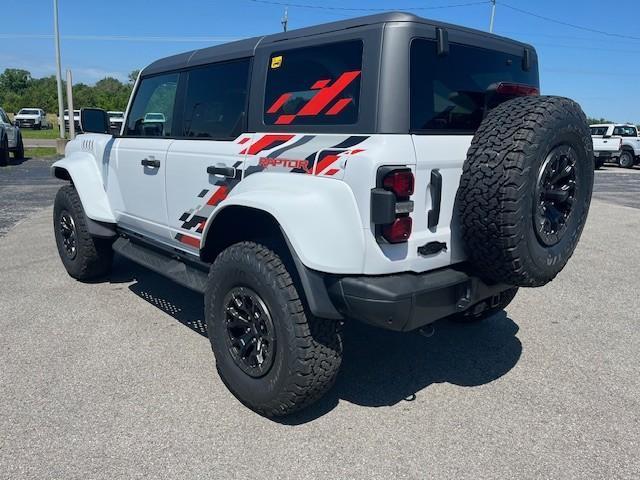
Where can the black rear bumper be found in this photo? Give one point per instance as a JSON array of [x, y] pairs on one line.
[[408, 301]]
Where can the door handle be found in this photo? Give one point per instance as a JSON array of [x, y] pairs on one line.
[[150, 163], [229, 172]]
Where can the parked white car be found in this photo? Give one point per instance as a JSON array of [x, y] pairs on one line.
[[76, 120], [116, 118], [629, 153], [35, 118], [10, 139], [606, 148]]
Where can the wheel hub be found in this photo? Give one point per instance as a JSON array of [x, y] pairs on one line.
[[555, 194], [250, 332], [68, 232]]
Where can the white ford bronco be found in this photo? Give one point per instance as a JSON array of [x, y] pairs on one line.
[[387, 169]]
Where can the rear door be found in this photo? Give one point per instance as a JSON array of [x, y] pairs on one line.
[[138, 158], [206, 161]]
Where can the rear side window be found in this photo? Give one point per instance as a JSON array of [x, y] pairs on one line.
[[216, 100], [317, 85], [152, 109], [599, 130], [450, 93]]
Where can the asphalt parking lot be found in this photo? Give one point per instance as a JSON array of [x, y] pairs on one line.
[[116, 379]]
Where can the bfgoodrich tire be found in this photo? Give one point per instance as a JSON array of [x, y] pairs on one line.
[[83, 256], [275, 357], [525, 190]]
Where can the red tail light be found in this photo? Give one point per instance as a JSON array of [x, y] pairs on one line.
[[517, 90], [400, 182], [398, 231]]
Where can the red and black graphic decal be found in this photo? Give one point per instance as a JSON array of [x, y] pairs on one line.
[[266, 142], [325, 95]]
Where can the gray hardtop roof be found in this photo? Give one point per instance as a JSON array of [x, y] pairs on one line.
[[247, 47]]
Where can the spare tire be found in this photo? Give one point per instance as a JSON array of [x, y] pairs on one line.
[[525, 190]]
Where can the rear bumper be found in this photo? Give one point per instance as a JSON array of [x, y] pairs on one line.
[[408, 301]]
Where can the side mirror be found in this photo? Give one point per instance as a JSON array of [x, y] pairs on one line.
[[94, 120]]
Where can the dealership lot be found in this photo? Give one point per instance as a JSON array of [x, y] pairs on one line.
[[116, 379]]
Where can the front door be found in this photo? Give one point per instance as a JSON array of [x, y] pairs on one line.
[[207, 161], [139, 157]]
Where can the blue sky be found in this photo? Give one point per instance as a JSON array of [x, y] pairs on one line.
[[114, 37]]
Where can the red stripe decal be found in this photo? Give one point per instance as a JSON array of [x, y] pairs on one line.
[[244, 140], [285, 119], [194, 242], [357, 150], [325, 163], [339, 106], [266, 142], [320, 84], [326, 95], [218, 196], [333, 171], [279, 103]]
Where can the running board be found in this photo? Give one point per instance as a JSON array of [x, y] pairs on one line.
[[191, 277]]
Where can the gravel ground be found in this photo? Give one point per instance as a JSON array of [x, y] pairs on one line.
[[116, 380]]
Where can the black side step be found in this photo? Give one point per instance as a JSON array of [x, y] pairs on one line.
[[178, 271]]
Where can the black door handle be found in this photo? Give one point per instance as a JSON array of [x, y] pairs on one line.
[[150, 163], [224, 171], [436, 199]]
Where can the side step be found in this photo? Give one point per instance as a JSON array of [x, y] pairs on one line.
[[178, 271]]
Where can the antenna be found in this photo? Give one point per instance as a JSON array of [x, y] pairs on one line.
[[285, 19]]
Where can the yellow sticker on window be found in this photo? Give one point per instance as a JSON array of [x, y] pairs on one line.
[[276, 61]]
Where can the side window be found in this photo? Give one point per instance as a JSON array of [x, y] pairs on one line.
[[152, 109], [599, 130], [625, 131], [216, 100], [3, 117], [314, 85]]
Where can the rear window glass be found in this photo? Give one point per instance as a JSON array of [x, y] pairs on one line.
[[449, 93], [625, 131], [599, 130], [317, 85]]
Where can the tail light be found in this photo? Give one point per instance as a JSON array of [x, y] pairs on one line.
[[516, 90], [390, 204]]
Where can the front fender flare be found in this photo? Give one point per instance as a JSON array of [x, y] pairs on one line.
[[82, 170], [319, 217]]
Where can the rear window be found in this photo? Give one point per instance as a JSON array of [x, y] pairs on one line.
[[449, 93], [599, 130], [317, 85]]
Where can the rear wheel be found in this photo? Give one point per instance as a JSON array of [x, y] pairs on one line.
[[18, 154], [271, 353], [4, 151], [83, 256], [626, 159], [525, 190]]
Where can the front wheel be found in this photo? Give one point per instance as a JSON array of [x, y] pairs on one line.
[[83, 256], [626, 159], [271, 353]]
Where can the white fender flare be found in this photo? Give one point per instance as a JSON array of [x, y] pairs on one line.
[[83, 171], [319, 216]]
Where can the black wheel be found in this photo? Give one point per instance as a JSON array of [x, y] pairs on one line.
[[18, 154], [4, 151], [525, 190], [626, 159], [598, 163], [83, 256], [486, 308], [274, 356], [37, 126]]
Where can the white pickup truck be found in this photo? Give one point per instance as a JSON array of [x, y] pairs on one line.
[[629, 154], [605, 146]]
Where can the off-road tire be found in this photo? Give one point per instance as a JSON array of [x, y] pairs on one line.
[[18, 153], [626, 159], [93, 257], [495, 202], [4, 151], [308, 350], [477, 313]]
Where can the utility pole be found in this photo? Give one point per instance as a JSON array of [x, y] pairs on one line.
[[72, 120], [58, 68], [493, 14], [285, 19]]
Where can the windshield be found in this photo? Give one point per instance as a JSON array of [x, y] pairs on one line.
[[116, 114], [28, 111], [453, 92]]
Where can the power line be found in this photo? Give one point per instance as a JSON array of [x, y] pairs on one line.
[[567, 24], [355, 9], [125, 38]]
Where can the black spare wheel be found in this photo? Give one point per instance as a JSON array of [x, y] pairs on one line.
[[525, 190]]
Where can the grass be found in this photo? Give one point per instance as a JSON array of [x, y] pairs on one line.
[[50, 134], [39, 152]]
